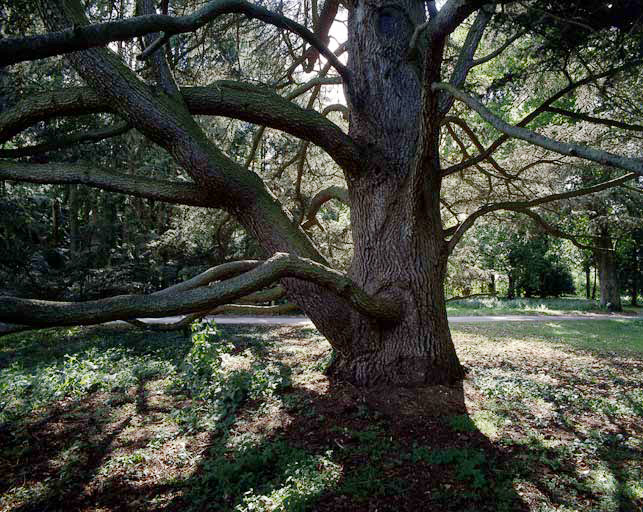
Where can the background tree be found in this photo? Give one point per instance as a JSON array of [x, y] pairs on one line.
[[408, 145]]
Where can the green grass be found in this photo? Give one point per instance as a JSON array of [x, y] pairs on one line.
[[618, 335], [499, 306]]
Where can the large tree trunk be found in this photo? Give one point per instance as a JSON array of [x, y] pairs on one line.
[[607, 275], [398, 251]]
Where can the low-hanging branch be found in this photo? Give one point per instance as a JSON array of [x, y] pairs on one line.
[[19, 49], [521, 206], [228, 309], [564, 148], [553, 230], [42, 313], [174, 192]]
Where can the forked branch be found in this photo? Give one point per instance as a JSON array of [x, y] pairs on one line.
[[124, 307]]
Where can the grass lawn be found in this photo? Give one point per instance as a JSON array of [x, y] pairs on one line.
[[550, 418], [499, 306]]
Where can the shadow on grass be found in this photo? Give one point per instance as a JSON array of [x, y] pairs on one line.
[[322, 446], [345, 449]]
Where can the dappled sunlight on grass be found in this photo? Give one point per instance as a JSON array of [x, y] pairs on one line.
[[549, 419], [566, 404]]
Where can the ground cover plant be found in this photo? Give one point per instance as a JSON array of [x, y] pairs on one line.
[[549, 418]]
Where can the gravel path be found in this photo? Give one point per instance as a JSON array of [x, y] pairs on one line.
[[303, 321]]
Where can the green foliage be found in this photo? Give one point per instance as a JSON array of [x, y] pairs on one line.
[[28, 388], [275, 476], [217, 393]]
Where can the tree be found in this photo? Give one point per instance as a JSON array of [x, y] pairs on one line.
[[408, 62]]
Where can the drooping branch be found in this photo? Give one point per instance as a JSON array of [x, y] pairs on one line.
[[553, 230], [106, 179], [236, 100], [521, 206], [476, 142], [246, 306], [564, 148], [19, 49], [49, 313], [472, 296], [537, 112], [228, 309], [322, 197], [66, 141], [499, 50]]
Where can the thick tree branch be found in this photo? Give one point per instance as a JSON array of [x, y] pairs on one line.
[[242, 192], [564, 148], [218, 273], [236, 100], [521, 206], [73, 101], [48, 313], [14, 50], [322, 197], [106, 179], [66, 141]]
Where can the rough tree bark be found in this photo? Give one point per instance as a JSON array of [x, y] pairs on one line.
[[397, 250]]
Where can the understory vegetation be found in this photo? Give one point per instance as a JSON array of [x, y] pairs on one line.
[[549, 418]]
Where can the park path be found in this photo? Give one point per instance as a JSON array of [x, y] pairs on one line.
[[302, 321]]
